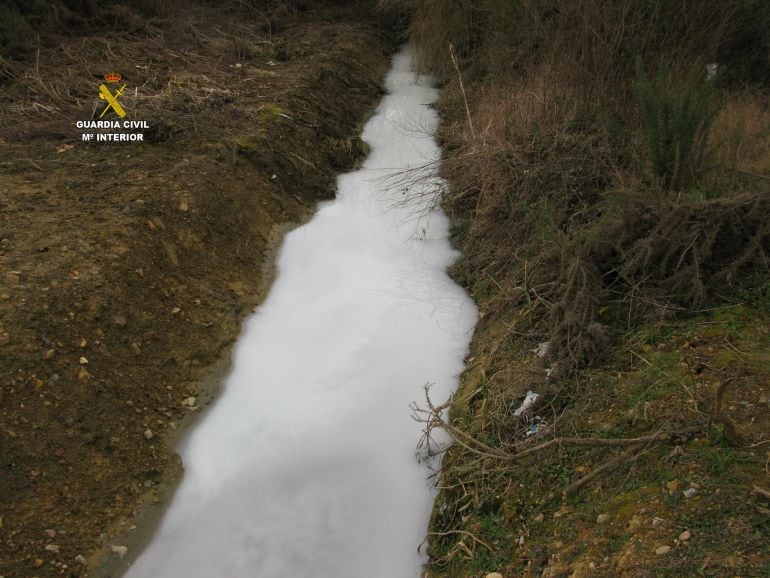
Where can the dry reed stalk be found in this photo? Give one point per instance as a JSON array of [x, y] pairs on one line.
[[462, 89]]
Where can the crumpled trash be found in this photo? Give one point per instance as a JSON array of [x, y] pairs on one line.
[[527, 405], [536, 426], [542, 349]]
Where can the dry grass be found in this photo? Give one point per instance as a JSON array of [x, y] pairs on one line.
[[741, 135], [569, 239], [550, 143], [62, 83]]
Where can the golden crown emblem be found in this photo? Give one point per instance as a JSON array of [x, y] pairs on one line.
[[112, 77]]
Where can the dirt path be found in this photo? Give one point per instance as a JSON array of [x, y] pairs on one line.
[[125, 269]]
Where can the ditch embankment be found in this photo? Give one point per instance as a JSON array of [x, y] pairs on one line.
[[609, 169], [126, 268]]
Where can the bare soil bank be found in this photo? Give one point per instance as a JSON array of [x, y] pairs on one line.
[[126, 269]]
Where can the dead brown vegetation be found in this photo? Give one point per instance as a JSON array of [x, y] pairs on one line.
[[583, 222], [551, 188]]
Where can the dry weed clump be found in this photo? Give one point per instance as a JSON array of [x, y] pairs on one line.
[[545, 137], [690, 250], [528, 183]]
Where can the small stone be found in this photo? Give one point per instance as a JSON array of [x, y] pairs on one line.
[[657, 521], [119, 551], [83, 343], [50, 533], [634, 524], [184, 207], [684, 536], [83, 361], [48, 354], [81, 560], [239, 288], [148, 435], [539, 518], [662, 550], [5, 339], [672, 486], [119, 320], [592, 565], [494, 575], [521, 540], [53, 548], [136, 348], [175, 310], [602, 518], [690, 492], [37, 563], [189, 402]]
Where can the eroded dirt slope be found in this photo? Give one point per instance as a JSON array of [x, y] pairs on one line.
[[125, 270]]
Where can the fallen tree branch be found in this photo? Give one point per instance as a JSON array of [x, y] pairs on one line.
[[432, 418], [601, 442]]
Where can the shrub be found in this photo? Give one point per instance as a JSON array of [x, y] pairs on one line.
[[547, 197], [676, 117]]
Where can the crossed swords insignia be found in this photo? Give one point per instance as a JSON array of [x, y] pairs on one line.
[[112, 100]]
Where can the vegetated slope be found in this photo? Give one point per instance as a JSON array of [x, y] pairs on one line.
[[609, 165], [125, 269]]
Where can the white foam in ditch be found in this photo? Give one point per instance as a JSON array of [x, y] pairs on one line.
[[306, 464]]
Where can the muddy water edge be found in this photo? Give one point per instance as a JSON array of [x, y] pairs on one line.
[[145, 262]]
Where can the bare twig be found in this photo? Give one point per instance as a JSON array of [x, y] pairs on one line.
[[600, 442], [756, 490], [608, 465], [34, 164], [461, 532], [462, 89]]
